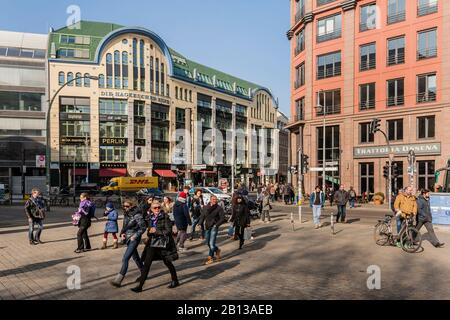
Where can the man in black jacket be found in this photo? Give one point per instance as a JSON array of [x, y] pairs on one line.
[[35, 211], [425, 218], [213, 216]]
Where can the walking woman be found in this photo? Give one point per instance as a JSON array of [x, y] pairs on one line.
[[182, 220], [266, 207], [160, 246], [111, 226], [167, 207], [240, 218], [134, 227], [84, 223], [197, 205]]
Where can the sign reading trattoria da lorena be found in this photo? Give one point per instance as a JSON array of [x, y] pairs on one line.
[[398, 150]]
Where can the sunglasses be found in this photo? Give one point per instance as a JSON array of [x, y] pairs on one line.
[[126, 206], [156, 208]]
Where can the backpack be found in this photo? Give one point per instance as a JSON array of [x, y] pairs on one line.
[[92, 208]]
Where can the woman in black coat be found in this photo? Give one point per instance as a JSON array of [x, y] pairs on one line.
[[240, 218], [160, 226]]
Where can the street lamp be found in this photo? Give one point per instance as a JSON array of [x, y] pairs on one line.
[[48, 150]]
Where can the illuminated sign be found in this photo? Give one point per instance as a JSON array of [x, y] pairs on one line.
[[114, 141]]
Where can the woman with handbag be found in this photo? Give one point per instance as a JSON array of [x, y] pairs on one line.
[[160, 246], [240, 218]]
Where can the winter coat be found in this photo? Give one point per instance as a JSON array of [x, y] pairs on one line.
[[134, 224], [241, 215], [266, 203], [197, 204], [164, 228], [424, 210], [112, 226], [352, 194], [212, 216], [341, 197], [312, 199], [181, 215], [35, 209], [406, 204]]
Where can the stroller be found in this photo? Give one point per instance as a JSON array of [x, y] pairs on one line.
[[255, 209]]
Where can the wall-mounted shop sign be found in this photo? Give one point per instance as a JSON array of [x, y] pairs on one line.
[[113, 141], [139, 142], [75, 140], [113, 165], [398, 150], [137, 96], [74, 116], [105, 117]]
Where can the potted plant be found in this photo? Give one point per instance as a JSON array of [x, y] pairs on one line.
[[378, 198]]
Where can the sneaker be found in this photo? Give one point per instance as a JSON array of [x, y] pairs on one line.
[[440, 245], [209, 261], [398, 244], [78, 251], [218, 255], [33, 243]]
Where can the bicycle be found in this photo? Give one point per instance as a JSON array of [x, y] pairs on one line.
[[410, 239]]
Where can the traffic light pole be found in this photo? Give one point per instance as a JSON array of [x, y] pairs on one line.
[[300, 183]]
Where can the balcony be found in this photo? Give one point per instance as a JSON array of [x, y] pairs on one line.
[[329, 36], [334, 109], [426, 53], [426, 9], [395, 101], [397, 17], [396, 59], [424, 97], [367, 105]]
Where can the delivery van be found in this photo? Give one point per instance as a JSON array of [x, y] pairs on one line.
[[130, 184]]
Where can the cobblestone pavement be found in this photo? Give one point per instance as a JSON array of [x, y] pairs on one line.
[[278, 264]]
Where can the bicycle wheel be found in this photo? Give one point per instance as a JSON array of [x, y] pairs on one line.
[[381, 234], [411, 240]]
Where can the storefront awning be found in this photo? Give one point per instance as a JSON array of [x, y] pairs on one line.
[[119, 172], [79, 172], [166, 173]]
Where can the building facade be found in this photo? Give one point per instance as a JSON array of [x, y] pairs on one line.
[[23, 81], [151, 111], [283, 149], [353, 61]]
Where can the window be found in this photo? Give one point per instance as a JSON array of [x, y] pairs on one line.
[[395, 129], [425, 7], [300, 109], [364, 133], [300, 76], [368, 17], [117, 63], [368, 57], [322, 2], [176, 92], [367, 96], [396, 11], [160, 133], [135, 65], [78, 81], [426, 174], [70, 79], [395, 92], [190, 95], [67, 39], [204, 101], [139, 131], [64, 53], [152, 73], [329, 28], [332, 152], [426, 88], [61, 78], [328, 65], [396, 51], [426, 44], [113, 130], [113, 154], [300, 10], [75, 128], [113, 107], [366, 174], [330, 102], [157, 76], [101, 81], [300, 42], [180, 115], [163, 79], [160, 154], [142, 64], [20, 101], [87, 80], [426, 127], [75, 105], [125, 69], [69, 153], [139, 108]]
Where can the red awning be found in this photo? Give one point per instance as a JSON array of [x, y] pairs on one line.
[[166, 173], [113, 172], [79, 172]]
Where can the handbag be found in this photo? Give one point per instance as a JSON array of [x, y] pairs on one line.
[[159, 242], [247, 233], [76, 219]]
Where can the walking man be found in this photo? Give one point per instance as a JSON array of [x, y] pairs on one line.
[[317, 202], [182, 220], [35, 211], [425, 218], [341, 199], [352, 197]]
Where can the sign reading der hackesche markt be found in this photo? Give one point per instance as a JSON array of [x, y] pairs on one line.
[[397, 150]]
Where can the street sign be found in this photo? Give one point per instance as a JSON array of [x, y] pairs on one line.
[[332, 163], [317, 169], [199, 167], [40, 161]]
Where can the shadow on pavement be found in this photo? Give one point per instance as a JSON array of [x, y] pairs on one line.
[[35, 267]]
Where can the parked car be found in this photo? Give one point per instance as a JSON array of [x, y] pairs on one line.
[[156, 193], [209, 191]]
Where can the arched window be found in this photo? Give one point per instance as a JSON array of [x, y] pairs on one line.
[[101, 81], [176, 92], [87, 81], [116, 57], [135, 66], [78, 82], [125, 69], [109, 71], [70, 78], [181, 94], [152, 73], [186, 94], [167, 90], [61, 78], [142, 64], [109, 58]]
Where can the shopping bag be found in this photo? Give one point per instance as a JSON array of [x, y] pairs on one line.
[[247, 233]]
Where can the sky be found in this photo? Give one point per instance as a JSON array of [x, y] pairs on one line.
[[245, 38]]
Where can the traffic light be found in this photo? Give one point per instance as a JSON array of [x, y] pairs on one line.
[[395, 172], [374, 126], [294, 170], [238, 169], [305, 164], [386, 172]]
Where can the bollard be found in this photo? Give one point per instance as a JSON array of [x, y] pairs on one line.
[[292, 221], [332, 223]]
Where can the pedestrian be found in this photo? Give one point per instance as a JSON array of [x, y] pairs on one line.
[[182, 220], [287, 195], [167, 207], [159, 246], [272, 192], [240, 218], [132, 231], [292, 194], [213, 216], [341, 199], [85, 212], [425, 217], [35, 211], [266, 207], [352, 197], [331, 195], [196, 211], [111, 226], [404, 206], [317, 202], [144, 207]]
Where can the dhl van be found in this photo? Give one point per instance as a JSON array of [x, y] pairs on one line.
[[130, 184]]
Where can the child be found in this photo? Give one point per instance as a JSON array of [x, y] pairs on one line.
[[111, 226]]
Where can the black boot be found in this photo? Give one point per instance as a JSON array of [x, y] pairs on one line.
[[173, 284], [137, 289]]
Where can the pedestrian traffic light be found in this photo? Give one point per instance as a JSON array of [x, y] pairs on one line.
[[386, 172], [395, 172], [305, 164], [238, 169], [374, 126], [294, 169]]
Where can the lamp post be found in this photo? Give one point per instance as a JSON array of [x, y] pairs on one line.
[[48, 150]]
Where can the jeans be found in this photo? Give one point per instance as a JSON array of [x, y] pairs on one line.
[[151, 254], [429, 226], [265, 213], [131, 252], [194, 225], [317, 210], [341, 213], [211, 238], [31, 235], [352, 202], [399, 224]]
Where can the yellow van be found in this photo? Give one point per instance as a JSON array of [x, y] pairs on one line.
[[130, 184]]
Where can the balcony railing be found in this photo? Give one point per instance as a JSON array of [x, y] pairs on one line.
[[423, 97], [426, 53], [328, 73], [368, 65], [397, 17], [395, 101], [366, 105], [329, 36], [329, 110], [396, 59], [425, 9]]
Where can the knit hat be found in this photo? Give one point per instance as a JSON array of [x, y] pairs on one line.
[[110, 205], [182, 197]]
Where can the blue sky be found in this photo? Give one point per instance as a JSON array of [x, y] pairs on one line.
[[245, 38]]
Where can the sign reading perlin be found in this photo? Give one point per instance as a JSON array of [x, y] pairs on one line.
[[398, 150]]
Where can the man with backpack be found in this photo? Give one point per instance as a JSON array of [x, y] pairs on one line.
[[35, 211]]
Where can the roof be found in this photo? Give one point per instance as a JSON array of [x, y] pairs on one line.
[[183, 68], [23, 40]]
